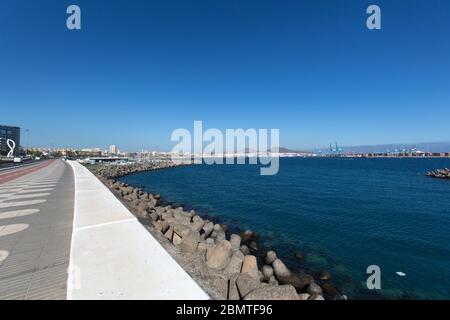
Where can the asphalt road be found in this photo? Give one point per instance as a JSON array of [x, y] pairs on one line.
[[10, 164], [36, 218]]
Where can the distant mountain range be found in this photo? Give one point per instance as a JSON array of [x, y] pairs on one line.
[[286, 150], [280, 150], [425, 146]]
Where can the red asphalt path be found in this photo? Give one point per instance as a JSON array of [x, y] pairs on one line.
[[15, 173]]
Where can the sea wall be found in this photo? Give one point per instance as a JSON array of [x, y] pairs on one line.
[[222, 263]]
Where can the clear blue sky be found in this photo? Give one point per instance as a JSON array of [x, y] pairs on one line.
[[139, 69]]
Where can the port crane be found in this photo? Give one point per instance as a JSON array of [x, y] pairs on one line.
[[335, 149]]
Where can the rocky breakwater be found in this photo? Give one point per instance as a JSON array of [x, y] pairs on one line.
[[222, 264], [116, 171], [440, 173]]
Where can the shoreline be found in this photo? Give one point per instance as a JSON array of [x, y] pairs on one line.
[[225, 265]]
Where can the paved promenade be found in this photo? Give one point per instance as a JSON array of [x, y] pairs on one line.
[[36, 216], [113, 256]]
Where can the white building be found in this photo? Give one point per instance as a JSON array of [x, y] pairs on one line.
[[113, 149]]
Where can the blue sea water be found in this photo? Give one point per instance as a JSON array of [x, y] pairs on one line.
[[343, 214]]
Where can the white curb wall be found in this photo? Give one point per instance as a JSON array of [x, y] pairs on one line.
[[113, 256]]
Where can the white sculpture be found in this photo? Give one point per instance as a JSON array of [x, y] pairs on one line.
[[12, 145]]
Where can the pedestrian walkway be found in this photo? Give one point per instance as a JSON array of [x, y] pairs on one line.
[[113, 256], [36, 218]]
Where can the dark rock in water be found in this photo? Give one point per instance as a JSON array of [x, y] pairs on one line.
[[270, 257], [299, 281], [330, 290], [324, 275], [249, 235], [210, 218], [272, 293], [245, 250], [299, 255], [253, 245], [314, 289]]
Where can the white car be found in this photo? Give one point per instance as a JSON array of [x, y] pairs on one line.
[[17, 160]]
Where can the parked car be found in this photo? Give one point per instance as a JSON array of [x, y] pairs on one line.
[[17, 160]]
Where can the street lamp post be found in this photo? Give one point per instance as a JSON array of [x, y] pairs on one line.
[[27, 130]]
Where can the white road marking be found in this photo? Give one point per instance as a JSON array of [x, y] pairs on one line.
[[17, 213], [3, 255], [35, 190], [12, 228], [26, 196], [20, 203]]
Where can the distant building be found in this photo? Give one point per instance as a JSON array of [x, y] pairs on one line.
[[9, 132], [113, 149]]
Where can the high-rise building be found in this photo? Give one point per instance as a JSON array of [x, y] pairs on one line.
[[113, 149], [12, 133]]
